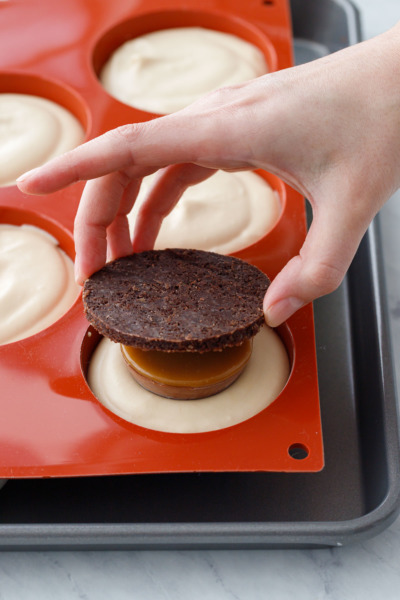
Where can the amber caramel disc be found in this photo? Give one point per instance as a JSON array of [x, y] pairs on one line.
[[187, 375]]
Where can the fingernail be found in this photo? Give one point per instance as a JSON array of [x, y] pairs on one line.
[[280, 311], [79, 278], [24, 176]]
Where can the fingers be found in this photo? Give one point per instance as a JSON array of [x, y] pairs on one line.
[[197, 134], [136, 147], [168, 188], [118, 232], [107, 153], [319, 269], [101, 228]]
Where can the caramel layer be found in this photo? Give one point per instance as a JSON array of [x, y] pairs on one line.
[[187, 375]]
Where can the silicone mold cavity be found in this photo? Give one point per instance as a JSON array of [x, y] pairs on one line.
[[53, 426]]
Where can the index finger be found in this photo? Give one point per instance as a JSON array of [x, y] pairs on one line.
[[134, 146], [101, 225]]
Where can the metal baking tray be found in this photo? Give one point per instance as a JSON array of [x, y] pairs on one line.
[[354, 497]]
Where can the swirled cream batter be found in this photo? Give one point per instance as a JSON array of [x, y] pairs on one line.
[[164, 71], [33, 130], [261, 382], [36, 282], [225, 213]]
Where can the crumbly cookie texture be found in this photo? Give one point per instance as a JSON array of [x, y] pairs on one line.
[[176, 300]]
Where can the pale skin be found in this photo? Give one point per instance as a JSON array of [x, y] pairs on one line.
[[330, 129]]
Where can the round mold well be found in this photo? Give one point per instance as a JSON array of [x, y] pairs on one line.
[[269, 253], [198, 207], [279, 188], [20, 217], [92, 338], [58, 93], [151, 22]]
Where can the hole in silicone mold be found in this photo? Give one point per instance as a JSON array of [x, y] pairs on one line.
[[104, 369], [16, 83], [298, 451], [41, 119], [271, 252], [279, 188], [161, 21], [17, 216], [226, 213], [37, 276], [89, 343], [286, 336]]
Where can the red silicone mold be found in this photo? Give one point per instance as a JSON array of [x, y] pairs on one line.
[[52, 425]]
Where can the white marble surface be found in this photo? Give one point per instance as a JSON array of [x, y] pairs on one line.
[[366, 571]]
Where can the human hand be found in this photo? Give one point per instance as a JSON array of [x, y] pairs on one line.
[[328, 128]]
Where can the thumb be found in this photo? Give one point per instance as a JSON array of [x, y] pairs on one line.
[[321, 265]]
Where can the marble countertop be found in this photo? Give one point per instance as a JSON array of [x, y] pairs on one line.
[[367, 571]]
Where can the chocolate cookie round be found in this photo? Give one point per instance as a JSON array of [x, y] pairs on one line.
[[176, 300]]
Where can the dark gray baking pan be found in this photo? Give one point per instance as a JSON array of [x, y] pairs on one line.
[[354, 497]]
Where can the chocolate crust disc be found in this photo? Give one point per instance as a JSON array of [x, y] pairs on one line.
[[176, 300]]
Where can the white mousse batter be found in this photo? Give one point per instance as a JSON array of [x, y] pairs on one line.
[[33, 130], [36, 282], [225, 213], [261, 382], [164, 71]]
